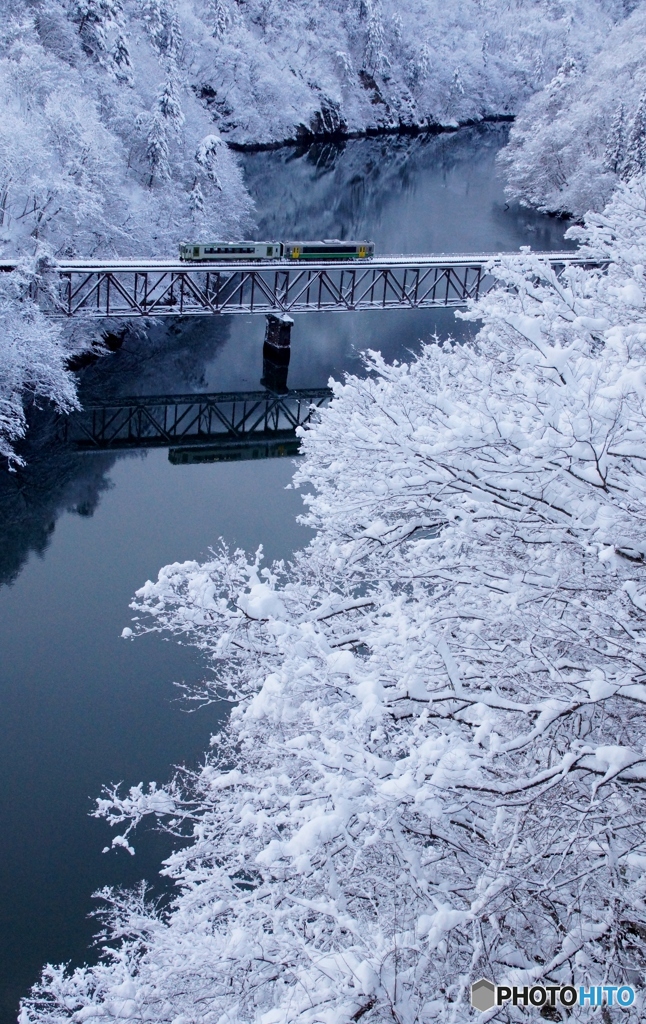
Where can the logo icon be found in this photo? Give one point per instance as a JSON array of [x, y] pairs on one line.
[[483, 994]]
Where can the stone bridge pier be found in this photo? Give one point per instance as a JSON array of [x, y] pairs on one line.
[[276, 353]]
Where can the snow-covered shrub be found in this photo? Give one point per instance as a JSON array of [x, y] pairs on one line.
[[574, 140], [435, 769]]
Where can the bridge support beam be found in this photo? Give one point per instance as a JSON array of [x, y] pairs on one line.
[[276, 352]]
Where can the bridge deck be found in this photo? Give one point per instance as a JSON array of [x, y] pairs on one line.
[[156, 287]]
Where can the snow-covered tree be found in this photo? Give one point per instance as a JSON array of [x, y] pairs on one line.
[[636, 156], [32, 363], [157, 147], [616, 144], [121, 59], [222, 16], [207, 157], [169, 105], [569, 145], [196, 199], [375, 57], [161, 19], [95, 19], [435, 768]]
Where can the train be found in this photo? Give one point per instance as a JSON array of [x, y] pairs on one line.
[[326, 249]]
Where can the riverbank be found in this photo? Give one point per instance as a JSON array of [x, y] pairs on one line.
[[305, 138]]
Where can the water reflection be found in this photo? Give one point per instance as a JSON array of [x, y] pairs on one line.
[[409, 194], [412, 194], [237, 424]]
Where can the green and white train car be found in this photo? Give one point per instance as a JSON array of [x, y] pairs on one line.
[[199, 251], [327, 249]]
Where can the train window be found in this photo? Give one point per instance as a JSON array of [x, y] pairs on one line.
[[312, 250]]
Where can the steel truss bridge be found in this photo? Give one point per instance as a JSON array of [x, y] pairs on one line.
[[197, 428], [132, 288]]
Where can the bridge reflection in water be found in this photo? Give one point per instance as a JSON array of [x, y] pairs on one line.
[[225, 426]]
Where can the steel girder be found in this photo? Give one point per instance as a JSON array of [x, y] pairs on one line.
[[161, 288], [193, 292]]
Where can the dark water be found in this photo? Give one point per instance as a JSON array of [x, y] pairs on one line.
[[79, 533]]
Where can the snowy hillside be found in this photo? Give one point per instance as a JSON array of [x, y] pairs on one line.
[[115, 109], [575, 140], [280, 69], [103, 146]]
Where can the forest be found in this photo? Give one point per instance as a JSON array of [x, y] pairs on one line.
[[433, 769], [120, 114]]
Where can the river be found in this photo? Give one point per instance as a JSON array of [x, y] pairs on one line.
[[79, 533]]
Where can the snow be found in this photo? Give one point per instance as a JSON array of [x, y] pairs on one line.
[[586, 130], [434, 770], [117, 113], [434, 765]]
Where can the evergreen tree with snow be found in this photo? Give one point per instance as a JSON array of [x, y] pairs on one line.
[[221, 16], [169, 105], [374, 58], [157, 147], [616, 145], [635, 161], [207, 158], [121, 60], [196, 200], [162, 23], [95, 18]]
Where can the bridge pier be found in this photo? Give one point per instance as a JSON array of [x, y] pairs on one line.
[[276, 352]]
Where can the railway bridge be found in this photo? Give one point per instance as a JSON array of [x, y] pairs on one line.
[[254, 424], [154, 287]]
